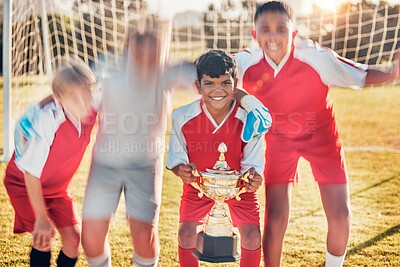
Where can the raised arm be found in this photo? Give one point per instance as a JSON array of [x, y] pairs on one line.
[[181, 74]]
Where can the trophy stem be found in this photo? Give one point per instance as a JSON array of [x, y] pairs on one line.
[[218, 210], [218, 223]]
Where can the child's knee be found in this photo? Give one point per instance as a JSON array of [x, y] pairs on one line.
[[71, 244], [277, 218], [187, 235], [71, 249], [145, 235], [250, 237], [341, 216]]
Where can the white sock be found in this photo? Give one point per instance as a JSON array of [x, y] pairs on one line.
[[103, 260], [144, 262], [334, 261]]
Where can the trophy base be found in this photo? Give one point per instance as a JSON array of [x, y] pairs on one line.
[[216, 248]]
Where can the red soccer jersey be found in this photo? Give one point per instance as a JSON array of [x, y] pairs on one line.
[[195, 137], [64, 157], [202, 142], [296, 91]]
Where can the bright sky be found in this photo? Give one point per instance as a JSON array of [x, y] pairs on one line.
[[332, 4], [169, 8]]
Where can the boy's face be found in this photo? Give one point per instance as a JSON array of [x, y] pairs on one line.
[[77, 100], [217, 93], [274, 31]]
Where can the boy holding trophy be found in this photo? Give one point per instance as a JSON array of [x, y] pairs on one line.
[[197, 130]]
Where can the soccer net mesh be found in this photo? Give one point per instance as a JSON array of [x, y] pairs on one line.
[[43, 32]]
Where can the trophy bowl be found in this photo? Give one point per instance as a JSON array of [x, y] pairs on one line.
[[217, 242], [220, 185]]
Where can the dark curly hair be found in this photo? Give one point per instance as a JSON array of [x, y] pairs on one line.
[[215, 63]]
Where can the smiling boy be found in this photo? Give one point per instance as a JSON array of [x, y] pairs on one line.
[[292, 77], [198, 128]]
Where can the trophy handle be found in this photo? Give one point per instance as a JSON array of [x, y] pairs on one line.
[[245, 178], [196, 186]]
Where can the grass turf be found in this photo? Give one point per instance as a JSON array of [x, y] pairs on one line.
[[371, 135]]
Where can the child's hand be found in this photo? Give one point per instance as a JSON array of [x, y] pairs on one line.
[[255, 181], [258, 120], [42, 233], [186, 172]]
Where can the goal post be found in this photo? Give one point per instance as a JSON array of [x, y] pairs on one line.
[[7, 100]]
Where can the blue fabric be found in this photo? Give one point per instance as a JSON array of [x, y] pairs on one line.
[[24, 130], [258, 121]]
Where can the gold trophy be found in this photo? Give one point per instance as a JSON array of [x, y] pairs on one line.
[[217, 242]]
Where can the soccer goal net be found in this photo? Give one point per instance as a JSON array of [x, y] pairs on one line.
[[38, 34]]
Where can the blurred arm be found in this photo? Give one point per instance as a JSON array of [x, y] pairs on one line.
[[377, 76]]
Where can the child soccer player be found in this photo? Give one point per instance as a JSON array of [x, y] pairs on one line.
[[128, 155], [197, 130], [129, 149], [292, 77], [50, 140]]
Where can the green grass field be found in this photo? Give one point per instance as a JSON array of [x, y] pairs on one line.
[[369, 128]]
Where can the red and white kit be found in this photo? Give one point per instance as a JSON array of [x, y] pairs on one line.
[[195, 137], [53, 156], [296, 94]]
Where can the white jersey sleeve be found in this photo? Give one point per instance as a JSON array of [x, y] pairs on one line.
[[34, 135], [333, 69], [177, 152], [253, 153]]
